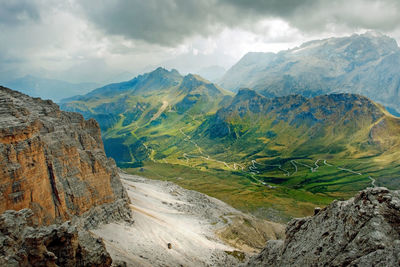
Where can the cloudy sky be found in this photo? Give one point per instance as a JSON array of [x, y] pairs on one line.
[[103, 40]]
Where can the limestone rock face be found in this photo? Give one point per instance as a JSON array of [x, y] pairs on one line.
[[363, 231], [52, 162], [365, 64], [25, 244]]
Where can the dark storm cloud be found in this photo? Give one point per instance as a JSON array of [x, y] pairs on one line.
[[169, 22], [316, 15], [160, 21], [380, 15], [279, 8], [13, 12]]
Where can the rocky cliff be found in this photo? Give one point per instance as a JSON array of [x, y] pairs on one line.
[[53, 162], [363, 231], [23, 243]]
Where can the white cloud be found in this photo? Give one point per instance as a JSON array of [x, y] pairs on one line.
[[59, 39]]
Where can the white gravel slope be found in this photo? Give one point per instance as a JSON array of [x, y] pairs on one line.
[[166, 213]]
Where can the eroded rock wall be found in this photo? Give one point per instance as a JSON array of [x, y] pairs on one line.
[[53, 162]]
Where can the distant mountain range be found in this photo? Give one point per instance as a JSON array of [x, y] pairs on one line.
[[49, 88], [366, 64]]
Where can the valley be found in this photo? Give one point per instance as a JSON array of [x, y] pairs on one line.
[[275, 157]]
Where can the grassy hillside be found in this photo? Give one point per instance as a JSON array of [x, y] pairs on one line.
[[275, 157], [142, 119]]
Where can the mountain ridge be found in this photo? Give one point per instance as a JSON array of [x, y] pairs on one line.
[[250, 111], [362, 63], [142, 107], [165, 80], [320, 147]]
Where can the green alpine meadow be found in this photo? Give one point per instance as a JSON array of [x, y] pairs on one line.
[[276, 157]]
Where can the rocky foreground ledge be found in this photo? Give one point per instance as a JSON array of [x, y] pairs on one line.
[[24, 243], [362, 231]]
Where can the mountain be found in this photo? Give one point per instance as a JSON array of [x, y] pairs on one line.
[[363, 231], [48, 88], [292, 148], [159, 79], [53, 162], [366, 64], [327, 119], [282, 135], [154, 105]]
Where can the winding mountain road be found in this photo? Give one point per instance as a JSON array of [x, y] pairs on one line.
[[254, 170], [372, 181], [295, 166], [315, 169], [316, 165], [348, 170], [305, 165], [252, 166], [203, 155]]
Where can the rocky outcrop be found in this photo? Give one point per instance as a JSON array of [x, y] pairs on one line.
[[363, 231], [53, 162], [23, 243]]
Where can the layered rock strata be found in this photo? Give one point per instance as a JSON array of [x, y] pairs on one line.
[[53, 162]]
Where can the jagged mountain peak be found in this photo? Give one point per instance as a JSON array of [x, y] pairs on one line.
[[195, 84], [245, 92], [374, 34], [195, 77], [160, 71], [374, 39], [365, 64], [158, 79], [337, 102], [194, 80]]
